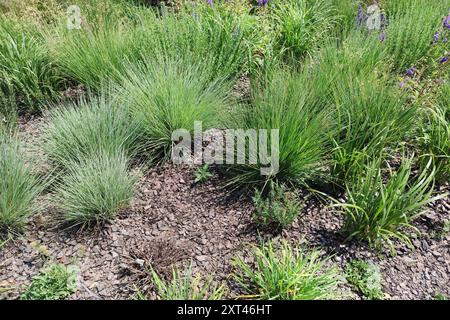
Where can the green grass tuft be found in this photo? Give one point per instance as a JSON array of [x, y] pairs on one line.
[[95, 124], [186, 287], [94, 190], [379, 211], [172, 96], [287, 103], [285, 274], [18, 187]]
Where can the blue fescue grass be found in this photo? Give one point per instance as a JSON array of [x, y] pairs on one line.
[[94, 190], [94, 124], [19, 187]]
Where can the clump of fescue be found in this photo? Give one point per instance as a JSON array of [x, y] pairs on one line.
[[102, 52], [18, 187], [169, 96], [380, 209], [434, 135], [276, 210], [186, 287], [286, 273], [27, 73], [95, 124], [53, 283], [369, 117], [94, 190], [286, 102], [301, 26]]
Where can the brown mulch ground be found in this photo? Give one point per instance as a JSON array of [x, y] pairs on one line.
[[173, 221]]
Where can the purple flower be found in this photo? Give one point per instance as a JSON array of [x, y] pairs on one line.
[[410, 72], [401, 84], [436, 37], [382, 36], [360, 16], [447, 22], [262, 3], [383, 21], [210, 2], [444, 59]]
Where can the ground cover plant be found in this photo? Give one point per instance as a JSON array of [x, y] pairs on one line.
[[170, 96], [54, 282], [278, 209], [315, 137], [365, 277]]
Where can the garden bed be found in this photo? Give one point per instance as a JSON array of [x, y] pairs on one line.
[[179, 150], [173, 221]]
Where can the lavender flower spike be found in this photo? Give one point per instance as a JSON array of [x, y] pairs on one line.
[[436, 37], [444, 59], [447, 22], [410, 72], [210, 2], [383, 21], [262, 3], [360, 16], [382, 36]]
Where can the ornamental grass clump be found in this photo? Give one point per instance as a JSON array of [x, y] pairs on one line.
[[369, 117], [199, 35], [18, 187], [169, 96], [285, 273], [94, 190], [381, 205], [94, 124], [301, 26], [96, 57], [287, 103], [27, 73], [186, 287]]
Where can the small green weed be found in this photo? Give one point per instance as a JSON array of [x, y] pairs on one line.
[[365, 278], [53, 283]]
